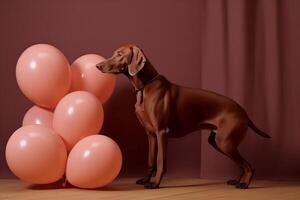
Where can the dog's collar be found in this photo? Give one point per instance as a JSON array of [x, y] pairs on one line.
[[136, 89], [140, 89]]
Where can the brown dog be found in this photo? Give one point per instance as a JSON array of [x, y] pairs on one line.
[[169, 110]]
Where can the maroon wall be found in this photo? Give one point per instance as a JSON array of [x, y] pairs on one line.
[[231, 47]]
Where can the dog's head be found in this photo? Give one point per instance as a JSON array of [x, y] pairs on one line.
[[127, 59]]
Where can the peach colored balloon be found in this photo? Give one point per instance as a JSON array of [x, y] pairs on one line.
[[36, 154], [43, 74], [76, 116], [95, 161], [85, 76], [38, 116]]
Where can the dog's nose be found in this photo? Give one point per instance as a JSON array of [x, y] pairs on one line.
[[99, 66]]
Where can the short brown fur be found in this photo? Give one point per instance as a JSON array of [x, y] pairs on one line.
[[169, 110]]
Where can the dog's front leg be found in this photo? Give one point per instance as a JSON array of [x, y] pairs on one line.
[[152, 145], [162, 140]]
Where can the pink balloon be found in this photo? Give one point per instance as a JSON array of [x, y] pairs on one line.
[[76, 116], [85, 76], [38, 116], [95, 161], [36, 154], [43, 74]]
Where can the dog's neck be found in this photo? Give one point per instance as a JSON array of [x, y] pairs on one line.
[[145, 76]]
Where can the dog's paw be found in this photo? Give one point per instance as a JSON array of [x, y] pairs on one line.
[[241, 185], [233, 182], [151, 185], [143, 181]]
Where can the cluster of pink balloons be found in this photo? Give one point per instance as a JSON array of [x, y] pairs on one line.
[[66, 119]]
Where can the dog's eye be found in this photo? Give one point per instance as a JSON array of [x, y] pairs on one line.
[[118, 54]]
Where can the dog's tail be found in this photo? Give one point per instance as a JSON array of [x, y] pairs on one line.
[[256, 130]]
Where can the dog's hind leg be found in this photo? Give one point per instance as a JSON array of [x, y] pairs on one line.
[[228, 146], [247, 174], [212, 142]]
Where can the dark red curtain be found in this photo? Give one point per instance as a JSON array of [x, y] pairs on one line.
[[250, 52], [245, 49]]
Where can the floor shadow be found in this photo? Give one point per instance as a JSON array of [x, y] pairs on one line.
[[119, 187], [274, 186], [193, 185], [51, 186], [258, 187], [133, 187], [111, 187]]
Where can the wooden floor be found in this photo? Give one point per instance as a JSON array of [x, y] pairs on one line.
[[170, 189]]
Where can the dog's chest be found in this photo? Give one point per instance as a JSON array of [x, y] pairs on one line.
[[142, 116]]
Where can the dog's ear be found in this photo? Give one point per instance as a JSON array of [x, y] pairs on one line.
[[137, 62]]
